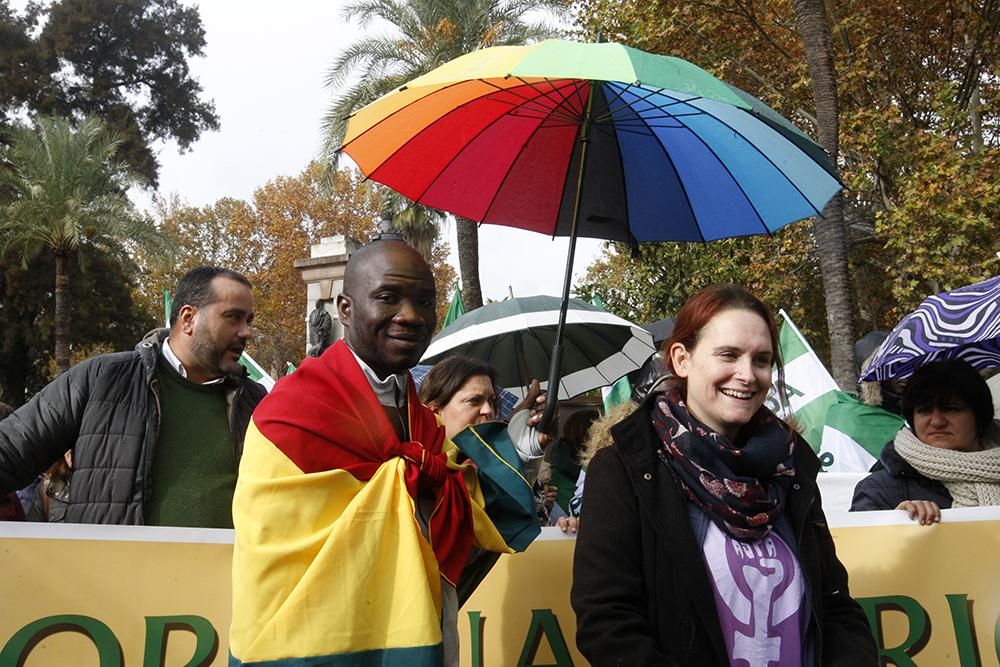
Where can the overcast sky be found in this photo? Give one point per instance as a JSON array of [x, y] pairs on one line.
[[264, 67]]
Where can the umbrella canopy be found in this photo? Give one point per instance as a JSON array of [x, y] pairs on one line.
[[517, 335], [502, 136], [674, 153], [963, 323], [660, 329]]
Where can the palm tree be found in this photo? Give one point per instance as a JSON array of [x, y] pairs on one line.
[[427, 33], [418, 224], [65, 190], [829, 229]]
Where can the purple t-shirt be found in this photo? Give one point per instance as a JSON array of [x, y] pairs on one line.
[[759, 596]]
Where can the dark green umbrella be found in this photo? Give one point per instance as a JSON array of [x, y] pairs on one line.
[[517, 336]]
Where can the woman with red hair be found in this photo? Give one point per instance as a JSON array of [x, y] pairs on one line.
[[705, 542]]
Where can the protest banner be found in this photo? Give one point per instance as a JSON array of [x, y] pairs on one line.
[[117, 595]]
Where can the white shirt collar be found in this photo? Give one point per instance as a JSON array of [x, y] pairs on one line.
[[385, 390], [176, 364]]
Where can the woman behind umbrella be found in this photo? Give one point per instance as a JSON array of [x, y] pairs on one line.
[[949, 456], [462, 392], [705, 542]]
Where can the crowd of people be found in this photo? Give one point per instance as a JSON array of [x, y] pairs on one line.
[[350, 490]]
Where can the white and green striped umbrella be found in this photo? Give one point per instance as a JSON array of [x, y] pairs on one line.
[[516, 336]]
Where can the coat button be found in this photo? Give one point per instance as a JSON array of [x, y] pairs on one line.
[[796, 486], [647, 476]]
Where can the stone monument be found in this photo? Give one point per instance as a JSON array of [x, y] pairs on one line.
[[323, 273]]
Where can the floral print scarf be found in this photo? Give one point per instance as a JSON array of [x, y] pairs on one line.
[[736, 484]]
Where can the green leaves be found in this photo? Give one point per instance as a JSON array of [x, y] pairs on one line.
[[67, 193], [125, 61], [424, 34], [66, 189]]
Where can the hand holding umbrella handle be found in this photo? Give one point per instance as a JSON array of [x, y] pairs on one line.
[[530, 400], [535, 402]]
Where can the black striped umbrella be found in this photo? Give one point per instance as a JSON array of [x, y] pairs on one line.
[[516, 336]]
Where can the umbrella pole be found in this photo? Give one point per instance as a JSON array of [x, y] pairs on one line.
[[555, 369]]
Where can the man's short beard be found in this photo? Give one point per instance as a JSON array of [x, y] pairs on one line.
[[209, 357]]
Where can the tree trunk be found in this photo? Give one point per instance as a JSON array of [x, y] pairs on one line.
[[62, 313], [829, 231], [976, 119], [975, 104], [468, 263]]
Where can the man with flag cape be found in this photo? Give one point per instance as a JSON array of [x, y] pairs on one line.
[[355, 517]]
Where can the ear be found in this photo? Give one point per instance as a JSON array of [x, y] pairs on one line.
[[680, 357], [187, 318], [344, 309]]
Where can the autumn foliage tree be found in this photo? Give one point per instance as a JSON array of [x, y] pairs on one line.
[[656, 283], [263, 238], [919, 112]]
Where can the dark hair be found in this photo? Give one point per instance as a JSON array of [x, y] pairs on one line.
[[939, 382], [195, 288], [447, 377], [577, 427], [5, 410], [705, 305]]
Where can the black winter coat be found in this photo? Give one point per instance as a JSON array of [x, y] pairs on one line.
[[894, 480], [107, 410], [641, 592]]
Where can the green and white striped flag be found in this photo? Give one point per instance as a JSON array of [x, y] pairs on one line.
[[846, 434], [854, 434], [257, 373], [621, 390], [457, 308], [167, 305]]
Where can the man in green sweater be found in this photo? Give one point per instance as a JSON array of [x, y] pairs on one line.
[[156, 433]]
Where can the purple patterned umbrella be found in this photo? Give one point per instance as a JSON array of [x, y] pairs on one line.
[[963, 323]]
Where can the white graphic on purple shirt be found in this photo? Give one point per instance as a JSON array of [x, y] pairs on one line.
[[759, 596]]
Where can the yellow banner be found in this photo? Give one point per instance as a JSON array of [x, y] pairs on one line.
[[116, 595]]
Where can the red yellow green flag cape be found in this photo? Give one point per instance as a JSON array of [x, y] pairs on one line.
[[330, 563]]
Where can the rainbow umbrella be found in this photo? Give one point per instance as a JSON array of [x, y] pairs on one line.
[[596, 140]]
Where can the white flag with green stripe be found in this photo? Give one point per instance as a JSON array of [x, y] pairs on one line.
[[256, 373], [846, 434], [621, 390]]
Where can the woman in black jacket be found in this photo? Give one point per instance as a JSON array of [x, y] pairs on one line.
[[704, 542]]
